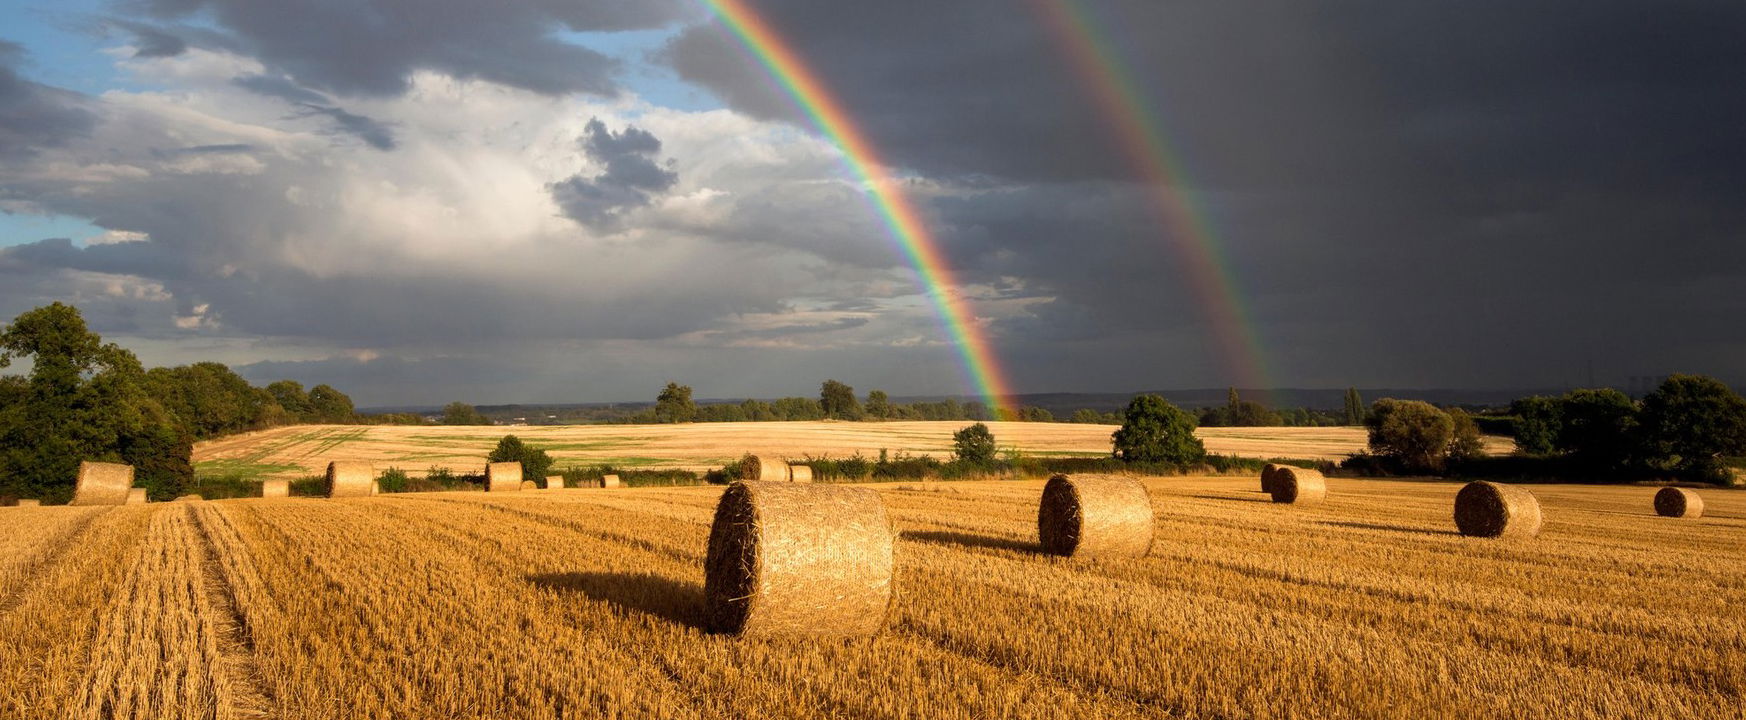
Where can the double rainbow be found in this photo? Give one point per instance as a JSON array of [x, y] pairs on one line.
[[900, 216]]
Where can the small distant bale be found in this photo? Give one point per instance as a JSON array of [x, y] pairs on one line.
[[800, 473], [136, 496], [529, 485], [375, 487], [810, 561], [28, 502], [275, 488], [1679, 503], [103, 483], [1095, 516], [610, 481], [1267, 472], [554, 482], [764, 468], [1488, 509], [502, 477], [1298, 486], [350, 478]]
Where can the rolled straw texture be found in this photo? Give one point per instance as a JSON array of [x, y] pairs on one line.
[[503, 477], [136, 496], [1299, 486], [103, 483], [1267, 472], [275, 488], [1678, 502], [800, 473], [1095, 516], [350, 478], [790, 560], [1488, 509], [554, 482], [610, 481], [765, 468]]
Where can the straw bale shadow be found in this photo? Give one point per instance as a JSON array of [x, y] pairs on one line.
[[968, 540], [665, 598], [1390, 528]]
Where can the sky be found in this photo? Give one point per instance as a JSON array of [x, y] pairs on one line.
[[574, 200]]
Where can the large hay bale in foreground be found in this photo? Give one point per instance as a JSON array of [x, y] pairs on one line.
[[791, 560], [1488, 509], [1299, 486], [1267, 472], [610, 481], [502, 477], [764, 468], [102, 483], [554, 482], [1678, 502], [1095, 516], [800, 473], [275, 488], [350, 478], [136, 496], [27, 502]]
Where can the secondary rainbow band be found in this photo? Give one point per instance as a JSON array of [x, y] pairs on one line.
[[1141, 134], [919, 246]]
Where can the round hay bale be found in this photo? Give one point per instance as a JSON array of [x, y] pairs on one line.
[[136, 496], [554, 482], [764, 468], [502, 477], [1298, 486], [103, 483], [800, 473], [275, 488], [529, 485], [1095, 516], [1267, 472], [610, 481], [29, 502], [1488, 509], [1678, 502], [790, 560], [350, 478]]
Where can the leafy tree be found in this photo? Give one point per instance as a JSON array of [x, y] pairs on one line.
[[1036, 414], [460, 413], [327, 405], [757, 410], [878, 405], [1465, 442], [534, 461], [1596, 428], [674, 405], [82, 400], [1154, 431], [160, 456], [1354, 411], [1231, 398], [1538, 423], [209, 399], [1411, 432], [1690, 422], [974, 444], [291, 396], [797, 408], [838, 401], [1086, 416]]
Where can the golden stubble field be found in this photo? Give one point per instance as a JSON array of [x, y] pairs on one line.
[[585, 603], [306, 449]]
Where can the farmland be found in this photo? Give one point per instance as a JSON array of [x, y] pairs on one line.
[[586, 603], [290, 452]]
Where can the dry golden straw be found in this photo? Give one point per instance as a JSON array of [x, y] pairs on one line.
[[1267, 473], [554, 482], [610, 481], [103, 484], [136, 496], [502, 477], [1299, 486], [1678, 502], [789, 560], [764, 468], [529, 485], [1488, 509], [1095, 516], [800, 473], [350, 478], [275, 489]]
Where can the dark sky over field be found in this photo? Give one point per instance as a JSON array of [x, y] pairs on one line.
[[567, 200]]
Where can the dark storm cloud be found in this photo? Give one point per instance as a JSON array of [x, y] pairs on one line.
[[279, 87], [153, 42], [35, 116], [373, 47], [630, 178], [372, 132]]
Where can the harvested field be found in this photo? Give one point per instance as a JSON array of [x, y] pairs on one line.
[[1368, 605], [291, 452]]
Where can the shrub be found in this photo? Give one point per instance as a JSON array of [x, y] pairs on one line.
[[1154, 431], [1413, 433], [1464, 440], [974, 444], [393, 480], [534, 462], [1537, 422]]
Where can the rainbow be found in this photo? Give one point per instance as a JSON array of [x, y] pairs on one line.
[[1141, 134], [899, 215]]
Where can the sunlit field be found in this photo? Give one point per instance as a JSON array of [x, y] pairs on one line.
[[587, 603], [301, 450]]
